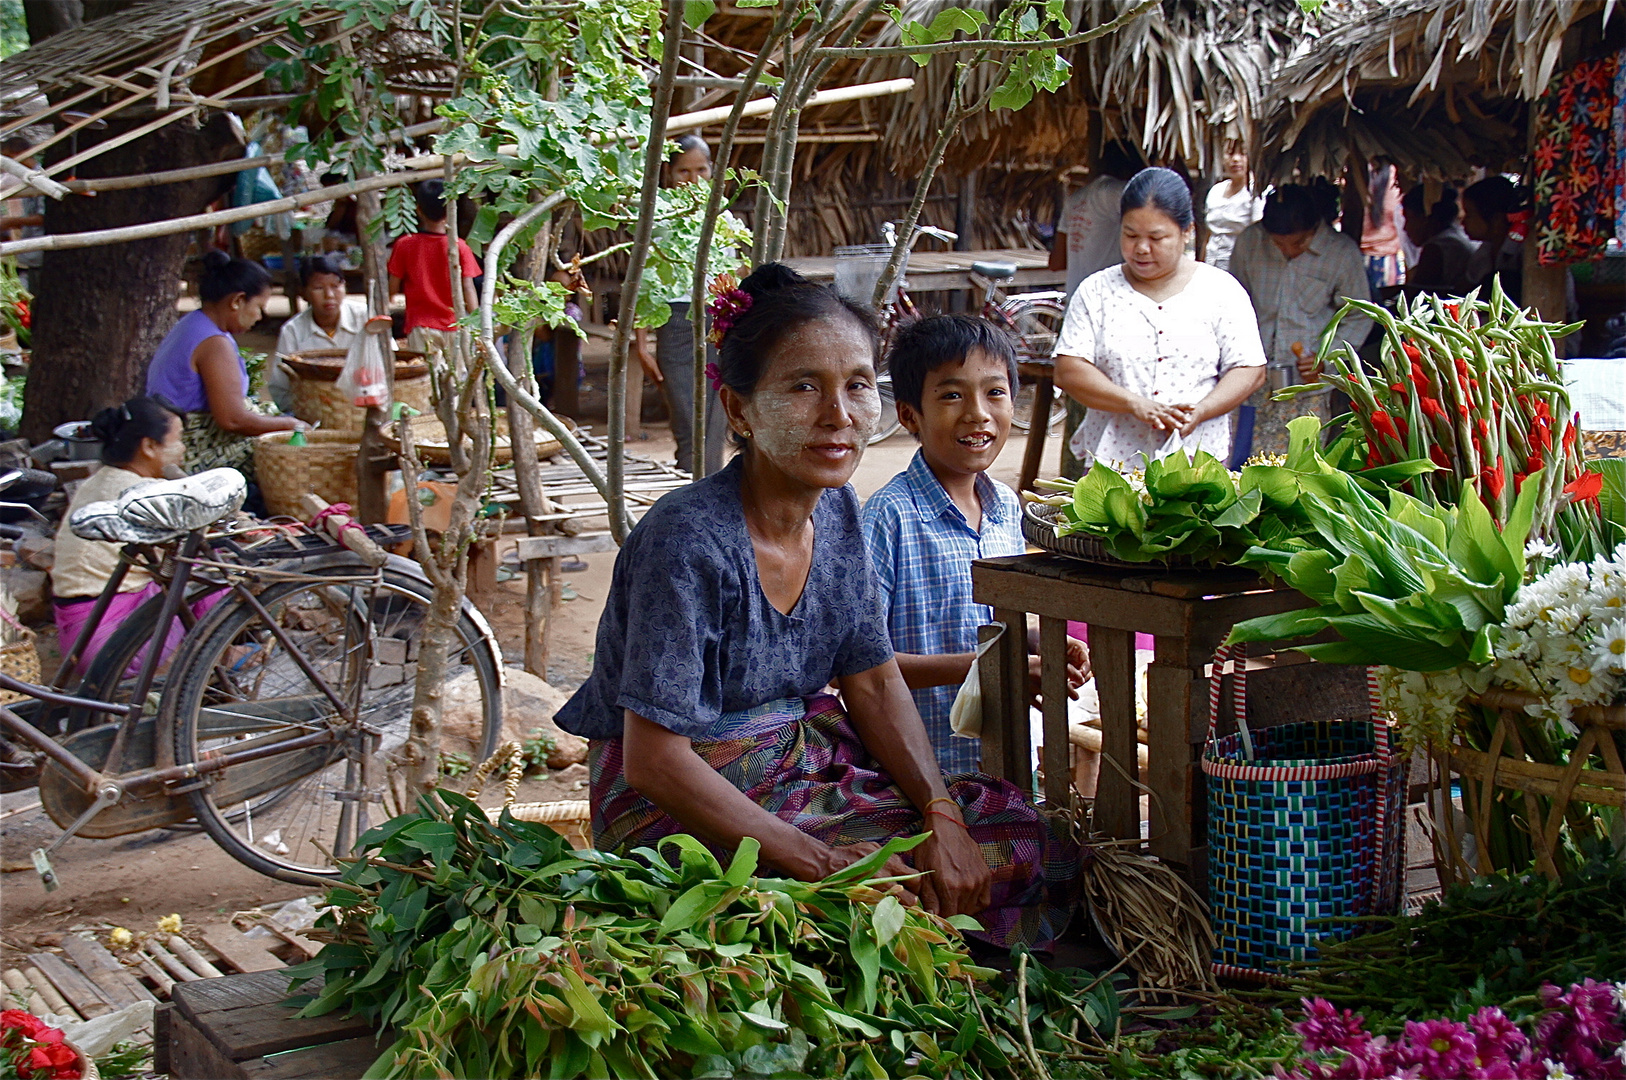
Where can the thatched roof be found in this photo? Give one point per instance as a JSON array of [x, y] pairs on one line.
[[1177, 82], [1438, 86]]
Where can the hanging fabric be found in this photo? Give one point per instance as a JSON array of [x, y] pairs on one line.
[[1577, 168]]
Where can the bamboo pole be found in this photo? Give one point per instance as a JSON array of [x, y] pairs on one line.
[[708, 227], [167, 72], [34, 178], [219, 168], [422, 168], [654, 155], [66, 241]]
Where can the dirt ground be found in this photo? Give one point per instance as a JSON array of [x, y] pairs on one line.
[[135, 880]]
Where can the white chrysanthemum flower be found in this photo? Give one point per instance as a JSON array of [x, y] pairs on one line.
[[1609, 648], [1540, 549], [1563, 619], [1607, 604]]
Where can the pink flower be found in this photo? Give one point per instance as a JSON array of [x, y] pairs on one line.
[[1441, 1049], [1324, 1027]]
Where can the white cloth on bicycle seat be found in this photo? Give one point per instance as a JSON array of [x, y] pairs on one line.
[[162, 510]]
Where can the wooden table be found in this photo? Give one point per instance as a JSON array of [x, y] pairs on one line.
[[1189, 612], [236, 1028], [931, 271]]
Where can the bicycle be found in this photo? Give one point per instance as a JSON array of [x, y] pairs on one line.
[[1031, 320], [275, 724]]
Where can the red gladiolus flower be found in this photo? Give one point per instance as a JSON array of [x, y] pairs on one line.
[[1569, 433], [1399, 388], [1495, 480], [1518, 482], [1483, 426], [1534, 464], [1373, 460], [1431, 407], [1542, 408], [1451, 309], [1462, 411], [1413, 353], [1419, 376], [1585, 488], [1405, 428], [1438, 457], [1384, 424]]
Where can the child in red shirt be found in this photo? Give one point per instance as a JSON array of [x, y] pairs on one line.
[[418, 265]]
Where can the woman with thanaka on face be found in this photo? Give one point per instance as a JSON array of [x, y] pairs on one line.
[[198, 369], [331, 320], [141, 441], [738, 599], [1160, 348]]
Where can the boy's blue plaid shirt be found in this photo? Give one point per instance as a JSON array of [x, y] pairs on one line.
[[921, 548]]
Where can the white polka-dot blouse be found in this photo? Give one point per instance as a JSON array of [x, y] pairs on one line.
[[1173, 352]]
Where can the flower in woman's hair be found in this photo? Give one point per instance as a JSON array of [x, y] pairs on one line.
[[714, 375], [1441, 1048], [728, 302]]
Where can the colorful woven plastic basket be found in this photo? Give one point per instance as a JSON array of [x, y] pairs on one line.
[[1306, 830]]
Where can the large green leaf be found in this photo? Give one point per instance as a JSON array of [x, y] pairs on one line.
[[1241, 512], [1278, 485], [1287, 626], [1382, 644], [1311, 573], [1349, 577], [1516, 530], [1090, 494], [1476, 544]]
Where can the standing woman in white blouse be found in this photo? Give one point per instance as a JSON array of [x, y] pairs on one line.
[[1161, 348], [1232, 207]]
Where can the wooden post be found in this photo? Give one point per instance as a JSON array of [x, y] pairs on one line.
[[374, 460], [567, 368]]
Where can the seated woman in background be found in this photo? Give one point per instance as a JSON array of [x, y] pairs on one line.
[[735, 603], [1444, 249], [140, 440], [198, 369], [331, 321]]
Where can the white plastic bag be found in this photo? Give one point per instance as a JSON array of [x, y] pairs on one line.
[[965, 717], [362, 379]]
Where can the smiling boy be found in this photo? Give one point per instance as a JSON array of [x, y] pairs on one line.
[[952, 376]]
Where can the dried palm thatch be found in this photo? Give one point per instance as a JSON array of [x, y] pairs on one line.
[[1177, 81], [1439, 86]]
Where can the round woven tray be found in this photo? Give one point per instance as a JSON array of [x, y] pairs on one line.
[[1038, 527], [429, 436], [325, 364]]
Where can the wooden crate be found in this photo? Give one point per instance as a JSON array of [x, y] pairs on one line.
[[236, 1028]]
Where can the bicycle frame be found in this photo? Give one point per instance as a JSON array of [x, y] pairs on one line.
[[96, 782]]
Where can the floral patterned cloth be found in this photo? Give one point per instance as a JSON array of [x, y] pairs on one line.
[[806, 765], [1577, 163]]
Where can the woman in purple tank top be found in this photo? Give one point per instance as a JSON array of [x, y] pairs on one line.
[[198, 369]]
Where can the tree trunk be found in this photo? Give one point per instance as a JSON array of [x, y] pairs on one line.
[[99, 313]]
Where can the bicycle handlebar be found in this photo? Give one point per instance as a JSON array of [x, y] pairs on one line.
[[341, 528]]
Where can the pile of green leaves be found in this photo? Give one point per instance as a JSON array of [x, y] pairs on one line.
[[1492, 942], [493, 949], [1194, 508], [1406, 584]]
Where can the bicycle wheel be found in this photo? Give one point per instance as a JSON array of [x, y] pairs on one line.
[[1034, 327], [890, 424], [290, 814], [111, 673]]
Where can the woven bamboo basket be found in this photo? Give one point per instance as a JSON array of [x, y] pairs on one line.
[[571, 819], [317, 398], [1504, 764], [21, 660], [325, 465]]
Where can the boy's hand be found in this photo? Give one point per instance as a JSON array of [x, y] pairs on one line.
[[1076, 673], [1078, 663]]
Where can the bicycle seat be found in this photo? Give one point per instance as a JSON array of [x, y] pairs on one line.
[[159, 511], [995, 271]]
